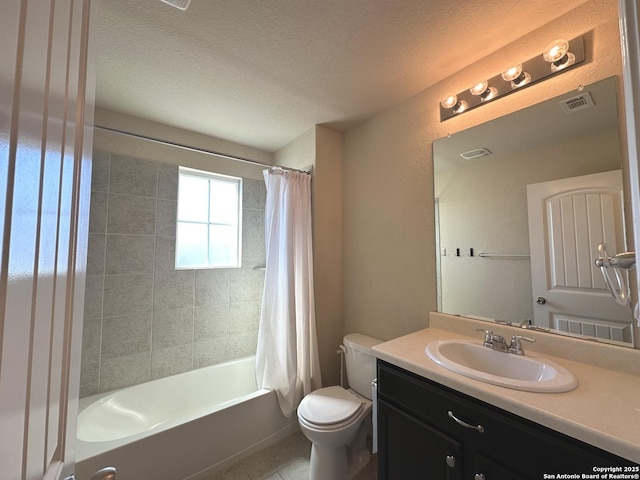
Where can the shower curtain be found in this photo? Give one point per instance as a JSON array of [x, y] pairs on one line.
[[287, 353]]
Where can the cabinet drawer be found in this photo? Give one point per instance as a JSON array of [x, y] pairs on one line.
[[526, 449]]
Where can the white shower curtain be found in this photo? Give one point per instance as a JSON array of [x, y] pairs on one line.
[[287, 353]]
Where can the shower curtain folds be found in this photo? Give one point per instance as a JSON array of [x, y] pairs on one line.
[[287, 353]]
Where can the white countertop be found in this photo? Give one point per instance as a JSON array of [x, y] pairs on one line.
[[604, 410]]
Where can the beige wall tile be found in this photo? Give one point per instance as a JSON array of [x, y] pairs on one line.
[[124, 371], [94, 295], [131, 215], [173, 290], [244, 317], [100, 171], [173, 327], [210, 351], [166, 214], [167, 181], [211, 321], [171, 360], [95, 254], [129, 254], [98, 212], [132, 176], [243, 344], [126, 294], [212, 287], [126, 335]]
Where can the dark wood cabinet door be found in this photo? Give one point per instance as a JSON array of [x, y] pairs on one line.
[[412, 450]]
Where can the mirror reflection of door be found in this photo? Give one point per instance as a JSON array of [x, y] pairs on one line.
[[568, 218]]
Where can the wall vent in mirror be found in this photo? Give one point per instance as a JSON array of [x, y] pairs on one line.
[[180, 4], [558, 56], [476, 153], [577, 104]]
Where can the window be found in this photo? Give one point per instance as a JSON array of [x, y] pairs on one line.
[[209, 230]]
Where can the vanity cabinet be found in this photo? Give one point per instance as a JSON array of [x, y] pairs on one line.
[[428, 431]]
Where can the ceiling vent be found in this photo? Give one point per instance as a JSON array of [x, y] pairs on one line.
[[477, 153], [575, 104]]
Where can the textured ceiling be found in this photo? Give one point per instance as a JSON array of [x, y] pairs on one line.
[[261, 72]]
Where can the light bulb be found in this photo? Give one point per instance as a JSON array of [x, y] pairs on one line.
[[449, 102], [484, 91], [516, 76], [479, 88], [452, 102], [557, 53], [555, 50], [512, 72]]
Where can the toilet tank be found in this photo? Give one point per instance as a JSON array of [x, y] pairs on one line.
[[361, 364]]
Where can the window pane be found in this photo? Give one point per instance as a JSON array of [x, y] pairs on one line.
[[208, 223], [193, 199], [223, 246], [224, 202], [191, 245]]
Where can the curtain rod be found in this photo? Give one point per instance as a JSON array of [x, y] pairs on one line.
[[184, 147], [277, 168]]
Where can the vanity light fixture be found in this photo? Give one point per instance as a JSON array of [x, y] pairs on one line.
[[561, 54], [516, 76], [484, 91], [558, 55]]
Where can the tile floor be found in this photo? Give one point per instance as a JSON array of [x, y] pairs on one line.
[[287, 460]]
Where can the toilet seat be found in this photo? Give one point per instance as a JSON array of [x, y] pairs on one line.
[[329, 408]]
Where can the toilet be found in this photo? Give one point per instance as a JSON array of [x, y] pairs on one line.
[[337, 420]]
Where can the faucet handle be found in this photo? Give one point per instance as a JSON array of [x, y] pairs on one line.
[[516, 345], [488, 336]]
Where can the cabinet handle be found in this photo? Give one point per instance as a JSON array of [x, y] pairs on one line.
[[479, 428], [451, 461], [479, 476]]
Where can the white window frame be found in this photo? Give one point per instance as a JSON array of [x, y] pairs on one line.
[[185, 171]]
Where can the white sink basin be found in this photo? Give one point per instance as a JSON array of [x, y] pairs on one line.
[[520, 372]]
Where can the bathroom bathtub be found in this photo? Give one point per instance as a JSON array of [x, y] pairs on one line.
[[186, 426]]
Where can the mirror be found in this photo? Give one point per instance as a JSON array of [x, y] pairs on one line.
[[519, 200]]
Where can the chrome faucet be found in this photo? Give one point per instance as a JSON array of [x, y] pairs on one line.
[[491, 340], [498, 342], [516, 344], [488, 337]]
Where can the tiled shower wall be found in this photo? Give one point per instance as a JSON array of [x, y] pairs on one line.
[[143, 319]]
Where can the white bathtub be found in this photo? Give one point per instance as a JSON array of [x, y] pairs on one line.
[[187, 426]]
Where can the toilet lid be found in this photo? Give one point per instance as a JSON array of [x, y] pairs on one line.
[[329, 405]]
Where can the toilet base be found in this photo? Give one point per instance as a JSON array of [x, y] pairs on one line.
[[358, 462], [358, 455], [328, 462], [340, 462]]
